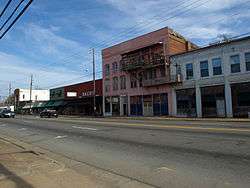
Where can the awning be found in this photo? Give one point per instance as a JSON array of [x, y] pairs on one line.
[[27, 106], [39, 104], [54, 104]]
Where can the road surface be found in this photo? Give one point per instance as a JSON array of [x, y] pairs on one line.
[[157, 153]]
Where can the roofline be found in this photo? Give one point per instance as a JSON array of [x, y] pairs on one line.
[[212, 46], [115, 45], [77, 84]]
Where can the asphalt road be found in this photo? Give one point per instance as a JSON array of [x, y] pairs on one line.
[[158, 153]]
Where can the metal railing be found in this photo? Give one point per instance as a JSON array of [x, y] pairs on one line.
[[163, 80]]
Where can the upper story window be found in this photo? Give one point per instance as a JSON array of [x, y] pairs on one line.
[[163, 72], [107, 70], [140, 75], [115, 83], [189, 71], [235, 63], [123, 82], [133, 81], [107, 85], [247, 59], [204, 68], [217, 69], [115, 67]]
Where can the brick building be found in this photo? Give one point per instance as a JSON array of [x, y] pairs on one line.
[[136, 74], [77, 99]]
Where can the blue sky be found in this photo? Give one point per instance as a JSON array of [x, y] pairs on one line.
[[54, 37]]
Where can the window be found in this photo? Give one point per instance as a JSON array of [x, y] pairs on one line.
[[107, 104], [23, 96], [133, 81], [107, 86], [115, 83], [140, 75], [204, 68], [163, 72], [189, 71], [235, 63], [36, 97], [115, 67], [123, 82], [217, 70], [152, 74], [107, 71], [247, 59]]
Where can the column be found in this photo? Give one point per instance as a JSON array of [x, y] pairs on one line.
[[198, 101], [228, 100], [111, 106], [174, 103], [121, 105], [129, 105], [103, 105]]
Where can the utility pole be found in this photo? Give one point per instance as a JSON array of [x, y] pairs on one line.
[[9, 100], [94, 91], [31, 84]]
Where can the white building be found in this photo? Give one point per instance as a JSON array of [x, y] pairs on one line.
[[23, 95], [215, 80]]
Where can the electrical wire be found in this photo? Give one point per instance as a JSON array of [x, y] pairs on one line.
[[5, 8]]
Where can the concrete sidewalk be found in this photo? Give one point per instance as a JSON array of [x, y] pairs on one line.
[[24, 168], [27, 169]]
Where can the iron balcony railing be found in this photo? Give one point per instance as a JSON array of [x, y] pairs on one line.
[[173, 79], [128, 64]]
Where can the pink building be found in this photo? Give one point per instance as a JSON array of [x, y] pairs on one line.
[[136, 74]]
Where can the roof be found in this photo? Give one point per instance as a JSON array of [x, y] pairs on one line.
[[213, 46]]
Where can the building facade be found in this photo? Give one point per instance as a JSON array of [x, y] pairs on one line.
[[22, 98], [216, 80], [136, 74], [77, 99]]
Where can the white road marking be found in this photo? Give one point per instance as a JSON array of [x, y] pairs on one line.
[[85, 128], [60, 137], [22, 129]]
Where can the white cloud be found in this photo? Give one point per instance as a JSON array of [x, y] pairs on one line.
[[18, 70]]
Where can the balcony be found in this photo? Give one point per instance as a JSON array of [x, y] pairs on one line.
[[128, 66], [142, 62], [173, 79]]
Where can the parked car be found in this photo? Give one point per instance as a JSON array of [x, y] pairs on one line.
[[48, 113], [4, 113]]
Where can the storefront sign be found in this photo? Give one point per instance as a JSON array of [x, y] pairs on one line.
[[71, 94], [87, 93]]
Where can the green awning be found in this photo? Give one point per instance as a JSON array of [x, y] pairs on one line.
[[54, 104]]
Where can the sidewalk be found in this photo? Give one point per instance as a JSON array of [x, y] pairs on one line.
[[24, 168]]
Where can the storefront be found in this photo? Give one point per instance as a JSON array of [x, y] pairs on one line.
[[241, 99], [213, 101], [186, 103], [136, 106]]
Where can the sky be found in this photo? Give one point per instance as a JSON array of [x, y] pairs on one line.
[[54, 38]]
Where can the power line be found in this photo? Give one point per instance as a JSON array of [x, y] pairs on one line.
[[61, 83], [5, 8], [15, 20], [14, 11], [133, 28]]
